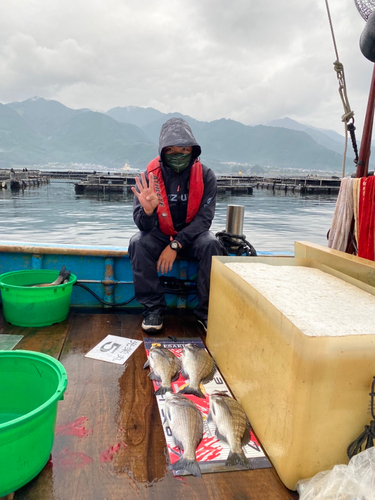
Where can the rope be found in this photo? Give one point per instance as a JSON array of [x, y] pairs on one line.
[[348, 116], [235, 244], [368, 434]]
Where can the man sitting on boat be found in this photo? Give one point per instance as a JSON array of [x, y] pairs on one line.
[[174, 205]]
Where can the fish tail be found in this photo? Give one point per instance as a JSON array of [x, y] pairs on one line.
[[194, 392], [238, 459], [163, 390], [63, 277], [187, 465], [64, 274]]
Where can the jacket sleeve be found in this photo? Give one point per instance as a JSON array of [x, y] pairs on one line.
[[143, 222], [203, 219]]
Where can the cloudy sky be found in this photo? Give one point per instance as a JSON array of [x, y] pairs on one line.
[[248, 60]]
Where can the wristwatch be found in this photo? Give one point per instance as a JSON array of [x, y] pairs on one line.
[[174, 245]]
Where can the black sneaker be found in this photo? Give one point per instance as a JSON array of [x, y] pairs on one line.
[[152, 323], [203, 322]]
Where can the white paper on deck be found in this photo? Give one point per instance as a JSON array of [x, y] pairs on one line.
[[114, 349]]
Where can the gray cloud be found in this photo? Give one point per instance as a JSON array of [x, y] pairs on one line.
[[248, 60]]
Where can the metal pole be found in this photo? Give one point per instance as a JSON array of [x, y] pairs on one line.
[[365, 149], [235, 217]]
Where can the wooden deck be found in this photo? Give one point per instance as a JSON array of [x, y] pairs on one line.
[[109, 441]]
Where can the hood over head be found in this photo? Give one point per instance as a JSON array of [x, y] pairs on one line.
[[176, 132]]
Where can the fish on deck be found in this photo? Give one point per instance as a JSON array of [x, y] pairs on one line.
[[232, 426], [165, 368], [198, 366], [186, 424]]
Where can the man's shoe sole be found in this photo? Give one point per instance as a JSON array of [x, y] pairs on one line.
[[152, 329]]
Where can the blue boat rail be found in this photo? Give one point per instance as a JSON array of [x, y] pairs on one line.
[[104, 274], [103, 271]]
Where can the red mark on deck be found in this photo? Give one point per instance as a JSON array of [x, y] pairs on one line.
[[107, 455], [74, 428], [70, 459], [182, 479]]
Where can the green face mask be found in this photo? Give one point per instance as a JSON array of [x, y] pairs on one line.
[[178, 162]]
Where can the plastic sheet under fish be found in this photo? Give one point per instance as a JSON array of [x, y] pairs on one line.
[[211, 453]]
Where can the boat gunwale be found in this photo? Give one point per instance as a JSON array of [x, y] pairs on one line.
[[63, 249]]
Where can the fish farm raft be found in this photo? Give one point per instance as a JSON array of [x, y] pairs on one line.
[[120, 182]]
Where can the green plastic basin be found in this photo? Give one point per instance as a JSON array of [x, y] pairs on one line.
[[24, 305], [31, 386]]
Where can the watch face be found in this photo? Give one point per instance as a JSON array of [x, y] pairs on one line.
[[174, 245]]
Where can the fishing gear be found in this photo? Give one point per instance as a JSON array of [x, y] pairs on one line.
[[368, 434], [235, 244]]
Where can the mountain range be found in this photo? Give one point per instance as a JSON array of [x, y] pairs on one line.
[[39, 131]]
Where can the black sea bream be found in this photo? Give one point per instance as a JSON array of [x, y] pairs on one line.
[[232, 426], [165, 367], [186, 424], [198, 366]]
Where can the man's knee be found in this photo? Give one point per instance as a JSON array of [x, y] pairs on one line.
[[208, 245], [133, 244], [212, 244]]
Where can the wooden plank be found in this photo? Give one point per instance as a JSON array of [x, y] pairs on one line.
[[49, 339], [109, 439]]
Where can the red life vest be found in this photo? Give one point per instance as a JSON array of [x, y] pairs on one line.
[[196, 188]]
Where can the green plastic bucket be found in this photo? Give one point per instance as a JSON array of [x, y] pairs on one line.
[[31, 384], [24, 305]]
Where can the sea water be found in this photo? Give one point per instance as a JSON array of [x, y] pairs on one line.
[[54, 214]]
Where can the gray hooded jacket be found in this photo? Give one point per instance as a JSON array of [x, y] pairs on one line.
[[176, 132]]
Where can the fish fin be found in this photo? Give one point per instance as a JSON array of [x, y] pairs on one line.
[[178, 443], [176, 377], [187, 465], [63, 277], [64, 274], [62, 271], [194, 392], [163, 390], [219, 436], [238, 459], [246, 437], [153, 376], [211, 375], [147, 364]]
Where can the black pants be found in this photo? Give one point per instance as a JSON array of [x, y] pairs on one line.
[[144, 250]]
